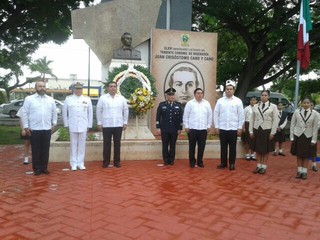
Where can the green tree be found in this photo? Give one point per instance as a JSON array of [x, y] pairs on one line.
[[24, 25], [256, 39], [41, 66], [308, 88]]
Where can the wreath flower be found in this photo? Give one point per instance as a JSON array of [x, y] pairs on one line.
[[137, 85], [141, 101]]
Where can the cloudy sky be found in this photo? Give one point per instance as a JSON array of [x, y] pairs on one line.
[[69, 58]]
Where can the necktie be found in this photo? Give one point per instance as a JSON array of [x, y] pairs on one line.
[[280, 114], [305, 113], [263, 105]]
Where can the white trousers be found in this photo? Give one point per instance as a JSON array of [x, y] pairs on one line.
[[77, 148]]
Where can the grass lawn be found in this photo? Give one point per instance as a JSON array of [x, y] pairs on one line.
[[10, 135]]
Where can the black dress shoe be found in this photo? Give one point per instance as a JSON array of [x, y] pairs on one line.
[[281, 154], [262, 171], [105, 165], [192, 165], [45, 171], [165, 163], [117, 165], [256, 170], [200, 165], [171, 163], [221, 166], [232, 167], [37, 173], [298, 176], [315, 168], [303, 176]]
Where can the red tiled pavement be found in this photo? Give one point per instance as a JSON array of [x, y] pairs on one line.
[[143, 201]]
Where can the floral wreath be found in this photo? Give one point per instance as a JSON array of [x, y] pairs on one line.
[[137, 85], [141, 101]]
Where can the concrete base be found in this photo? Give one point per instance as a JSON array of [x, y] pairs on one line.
[[138, 129], [134, 150]]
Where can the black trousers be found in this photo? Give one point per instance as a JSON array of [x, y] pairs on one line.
[[168, 146], [228, 138], [200, 137], [40, 145], [108, 134]]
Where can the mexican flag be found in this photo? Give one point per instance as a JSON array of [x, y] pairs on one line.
[[303, 51]]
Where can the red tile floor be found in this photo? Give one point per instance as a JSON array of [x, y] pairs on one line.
[[144, 201]]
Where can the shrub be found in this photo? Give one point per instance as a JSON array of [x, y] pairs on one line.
[[63, 134]]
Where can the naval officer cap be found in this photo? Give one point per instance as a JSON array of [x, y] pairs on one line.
[[230, 83], [77, 85], [170, 91]]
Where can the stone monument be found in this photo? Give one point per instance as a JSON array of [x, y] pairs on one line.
[[126, 51], [127, 55], [101, 25]]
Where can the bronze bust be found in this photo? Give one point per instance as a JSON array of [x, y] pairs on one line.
[[126, 51]]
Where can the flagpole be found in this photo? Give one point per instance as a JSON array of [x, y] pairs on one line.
[[297, 86], [168, 20], [303, 50]]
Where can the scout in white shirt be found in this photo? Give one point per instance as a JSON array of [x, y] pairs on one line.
[[39, 117], [250, 154], [280, 135], [77, 116], [25, 137], [112, 119]]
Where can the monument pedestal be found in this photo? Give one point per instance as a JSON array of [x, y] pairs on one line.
[[137, 125], [136, 150], [138, 128]]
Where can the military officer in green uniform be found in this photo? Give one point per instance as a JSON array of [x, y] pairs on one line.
[[169, 125]]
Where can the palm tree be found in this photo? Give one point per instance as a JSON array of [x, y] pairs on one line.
[[41, 66]]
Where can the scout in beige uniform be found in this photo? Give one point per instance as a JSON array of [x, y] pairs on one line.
[[262, 127], [303, 134], [314, 162]]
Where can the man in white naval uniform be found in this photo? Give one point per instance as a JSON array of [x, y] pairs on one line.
[[77, 116]]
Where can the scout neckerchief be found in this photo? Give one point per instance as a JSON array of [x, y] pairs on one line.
[[282, 117], [263, 110], [303, 118]]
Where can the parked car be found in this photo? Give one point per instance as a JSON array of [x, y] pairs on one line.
[[59, 106], [274, 98], [94, 102], [12, 108]]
